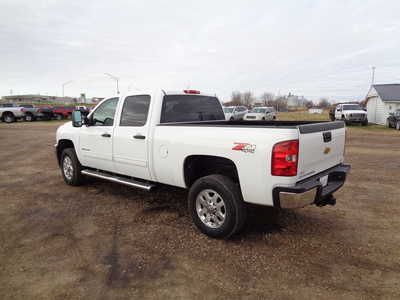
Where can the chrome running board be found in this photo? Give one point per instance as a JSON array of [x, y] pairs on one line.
[[118, 179]]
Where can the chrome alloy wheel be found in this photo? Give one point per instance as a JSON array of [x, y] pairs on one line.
[[210, 208], [68, 168]]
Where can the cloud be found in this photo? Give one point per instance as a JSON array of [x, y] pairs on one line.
[[310, 48]]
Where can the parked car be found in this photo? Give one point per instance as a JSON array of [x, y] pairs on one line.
[[11, 112], [83, 109], [349, 113], [32, 113], [62, 112], [182, 139], [235, 112], [261, 113], [393, 121]]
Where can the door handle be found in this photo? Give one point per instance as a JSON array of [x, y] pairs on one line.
[[139, 136], [106, 135]]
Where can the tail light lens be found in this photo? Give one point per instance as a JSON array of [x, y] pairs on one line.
[[284, 158]]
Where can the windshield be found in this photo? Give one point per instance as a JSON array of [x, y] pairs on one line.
[[258, 110], [352, 107], [228, 110], [191, 108]]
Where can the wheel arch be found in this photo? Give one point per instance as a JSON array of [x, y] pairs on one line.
[[63, 144], [197, 166]]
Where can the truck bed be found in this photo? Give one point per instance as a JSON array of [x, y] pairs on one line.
[[303, 126]]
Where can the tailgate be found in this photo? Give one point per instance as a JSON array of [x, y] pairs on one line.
[[321, 146]]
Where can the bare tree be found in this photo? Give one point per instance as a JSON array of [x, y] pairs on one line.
[[308, 103], [267, 99], [323, 103], [236, 98], [248, 99]]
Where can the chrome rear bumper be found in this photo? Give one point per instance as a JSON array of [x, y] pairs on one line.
[[310, 190]]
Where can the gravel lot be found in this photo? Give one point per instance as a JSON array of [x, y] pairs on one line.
[[106, 241]]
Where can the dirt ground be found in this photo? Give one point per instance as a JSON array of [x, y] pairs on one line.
[[106, 241]]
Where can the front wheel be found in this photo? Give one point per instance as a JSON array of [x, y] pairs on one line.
[[216, 206], [9, 118], [71, 168]]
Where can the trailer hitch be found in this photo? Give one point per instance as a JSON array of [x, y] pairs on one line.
[[326, 200]]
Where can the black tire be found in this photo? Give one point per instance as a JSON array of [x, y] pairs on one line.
[[364, 123], [74, 178], [59, 117], [29, 117], [234, 207], [263, 118], [8, 117], [274, 118]]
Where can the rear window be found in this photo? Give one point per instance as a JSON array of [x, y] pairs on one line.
[[190, 108]]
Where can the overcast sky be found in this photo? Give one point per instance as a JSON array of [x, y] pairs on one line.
[[311, 48]]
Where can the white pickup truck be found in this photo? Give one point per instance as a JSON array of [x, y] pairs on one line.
[[182, 139]]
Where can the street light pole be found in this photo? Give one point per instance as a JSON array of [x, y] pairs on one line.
[[63, 85], [114, 78]]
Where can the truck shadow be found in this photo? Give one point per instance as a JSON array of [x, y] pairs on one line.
[[261, 220]]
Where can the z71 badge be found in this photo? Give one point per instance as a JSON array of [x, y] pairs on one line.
[[244, 147]]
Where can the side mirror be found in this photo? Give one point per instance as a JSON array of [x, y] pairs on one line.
[[77, 118]]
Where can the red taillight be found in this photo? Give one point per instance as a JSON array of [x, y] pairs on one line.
[[284, 158], [191, 92]]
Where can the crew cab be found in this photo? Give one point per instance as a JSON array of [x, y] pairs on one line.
[[349, 113], [11, 112], [182, 139]]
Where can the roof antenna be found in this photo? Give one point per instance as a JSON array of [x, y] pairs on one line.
[[373, 75]]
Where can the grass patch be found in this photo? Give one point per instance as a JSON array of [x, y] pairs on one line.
[[303, 116]]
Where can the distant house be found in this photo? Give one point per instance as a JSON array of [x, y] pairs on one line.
[[315, 110], [381, 100]]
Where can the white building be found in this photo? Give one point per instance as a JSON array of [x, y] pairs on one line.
[[381, 100]]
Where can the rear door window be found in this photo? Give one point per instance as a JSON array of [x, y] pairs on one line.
[[190, 108], [135, 110]]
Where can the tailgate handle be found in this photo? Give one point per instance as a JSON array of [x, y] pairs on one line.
[[327, 136]]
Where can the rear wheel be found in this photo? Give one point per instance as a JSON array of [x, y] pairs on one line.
[[364, 123], [216, 206], [71, 168], [59, 117]]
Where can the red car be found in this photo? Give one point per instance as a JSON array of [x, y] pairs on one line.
[[62, 112]]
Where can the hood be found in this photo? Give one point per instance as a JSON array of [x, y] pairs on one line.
[[254, 114], [354, 111]]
